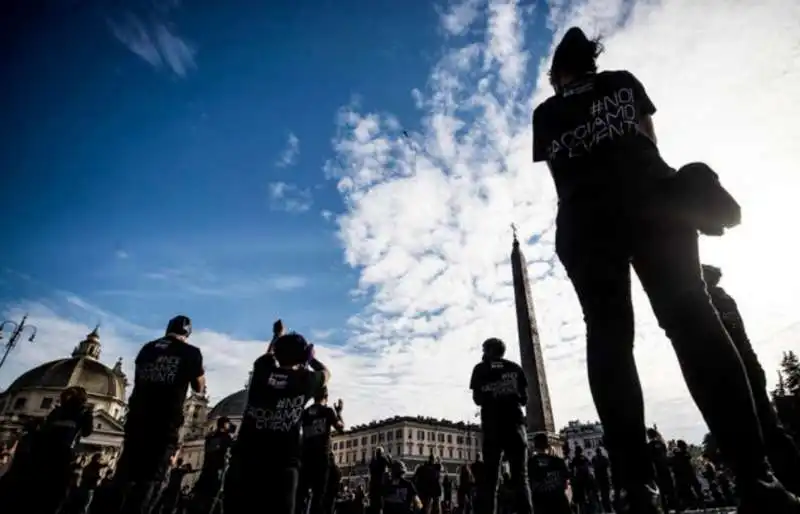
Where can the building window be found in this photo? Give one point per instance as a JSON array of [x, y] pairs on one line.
[[449, 438], [364, 441], [460, 439], [336, 446], [469, 441], [411, 434], [440, 438], [380, 437], [420, 435], [46, 403], [460, 455], [430, 436], [421, 449], [399, 450], [373, 439], [19, 403], [398, 433], [410, 448], [363, 456], [355, 443], [450, 452]]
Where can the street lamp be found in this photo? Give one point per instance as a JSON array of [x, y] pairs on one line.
[[16, 333]]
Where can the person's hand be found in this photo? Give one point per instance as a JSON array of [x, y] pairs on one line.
[[339, 405], [277, 328], [310, 353]]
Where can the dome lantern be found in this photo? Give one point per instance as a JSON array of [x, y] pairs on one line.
[[89, 347]]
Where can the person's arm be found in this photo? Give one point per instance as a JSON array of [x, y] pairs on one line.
[[644, 107], [277, 331], [337, 422], [522, 387], [415, 500], [317, 366], [539, 141], [475, 386], [197, 372], [87, 422]]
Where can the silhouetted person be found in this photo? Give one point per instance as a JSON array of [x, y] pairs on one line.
[[602, 478], [90, 480], [783, 454], [171, 494], [318, 420], [447, 490], [549, 479], [398, 494], [378, 467], [621, 204], [52, 453], [581, 480], [165, 369], [688, 492], [466, 485], [215, 457], [660, 459], [499, 387], [265, 459], [334, 480], [427, 481]]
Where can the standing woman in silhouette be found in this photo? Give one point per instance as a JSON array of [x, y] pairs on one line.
[[596, 135]]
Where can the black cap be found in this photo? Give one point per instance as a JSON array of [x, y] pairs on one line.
[[180, 325]]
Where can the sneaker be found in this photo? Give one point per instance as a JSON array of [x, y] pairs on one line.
[[767, 496]]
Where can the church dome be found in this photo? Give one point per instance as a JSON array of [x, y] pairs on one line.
[[82, 369], [231, 406]]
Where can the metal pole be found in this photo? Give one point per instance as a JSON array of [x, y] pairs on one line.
[[15, 335]]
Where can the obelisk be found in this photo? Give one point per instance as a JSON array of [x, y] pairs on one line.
[[539, 411]]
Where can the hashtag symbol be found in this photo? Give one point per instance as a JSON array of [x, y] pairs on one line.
[[597, 107]]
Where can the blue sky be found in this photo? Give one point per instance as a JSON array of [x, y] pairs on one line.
[[148, 169], [147, 189], [135, 181]]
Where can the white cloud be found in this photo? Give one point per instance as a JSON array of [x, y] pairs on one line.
[[289, 155], [289, 197], [427, 216], [121, 254], [152, 38]]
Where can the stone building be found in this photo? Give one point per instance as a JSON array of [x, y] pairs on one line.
[[588, 436], [34, 393], [410, 439]]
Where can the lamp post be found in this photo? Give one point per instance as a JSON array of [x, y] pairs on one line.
[[16, 333]]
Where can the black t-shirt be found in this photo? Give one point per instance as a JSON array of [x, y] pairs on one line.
[[600, 464], [91, 474], [548, 476], [682, 466], [581, 473], [591, 138], [277, 397], [216, 447], [317, 423], [164, 370], [378, 466], [398, 496], [658, 452], [501, 389], [62, 429]]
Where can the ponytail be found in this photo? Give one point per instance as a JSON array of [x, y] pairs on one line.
[[576, 54]]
